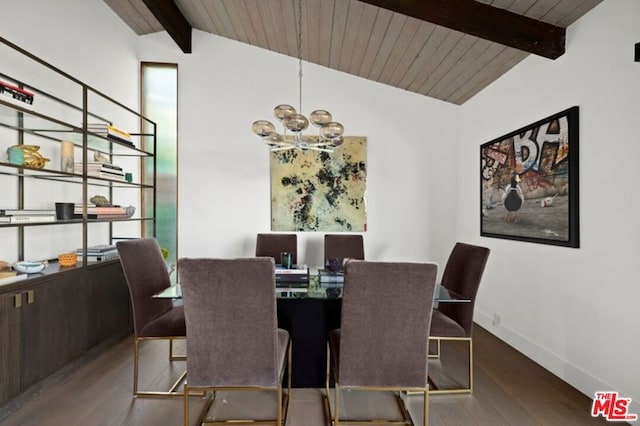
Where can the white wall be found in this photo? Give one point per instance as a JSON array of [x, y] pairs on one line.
[[83, 38], [575, 311], [224, 192]]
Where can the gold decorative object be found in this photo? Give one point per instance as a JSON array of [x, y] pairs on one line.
[[67, 259], [32, 158]]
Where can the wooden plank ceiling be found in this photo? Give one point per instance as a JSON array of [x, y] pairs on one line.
[[445, 49]]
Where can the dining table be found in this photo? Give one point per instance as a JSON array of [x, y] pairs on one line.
[[309, 312]]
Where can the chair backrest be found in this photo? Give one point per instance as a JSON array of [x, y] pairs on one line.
[[230, 312], [386, 308], [462, 274], [341, 246], [146, 274], [272, 245]]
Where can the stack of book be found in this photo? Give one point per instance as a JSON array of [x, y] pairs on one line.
[[109, 131], [98, 253], [16, 95], [328, 278], [96, 212], [27, 215], [291, 281], [292, 276], [11, 277], [101, 170]]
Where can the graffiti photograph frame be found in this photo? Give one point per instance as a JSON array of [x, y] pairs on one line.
[[529, 182]]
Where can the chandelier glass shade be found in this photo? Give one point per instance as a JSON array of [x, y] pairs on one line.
[[328, 138], [329, 134]]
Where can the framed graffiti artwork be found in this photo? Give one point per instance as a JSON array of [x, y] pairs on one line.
[[529, 183]]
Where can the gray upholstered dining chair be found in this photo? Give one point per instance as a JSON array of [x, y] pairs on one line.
[[341, 246], [233, 340], [381, 344], [153, 319], [272, 245], [454, 321]]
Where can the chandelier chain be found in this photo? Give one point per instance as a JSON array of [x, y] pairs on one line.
[[299, 47], [329, 131]]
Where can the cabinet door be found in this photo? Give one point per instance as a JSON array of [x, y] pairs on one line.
[[107, 302], [53, 327], [9, 346]]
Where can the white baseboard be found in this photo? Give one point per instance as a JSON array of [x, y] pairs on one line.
[[580, 379]]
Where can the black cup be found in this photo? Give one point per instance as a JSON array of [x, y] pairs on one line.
[[64, 211], [286, 260], [333, 292]]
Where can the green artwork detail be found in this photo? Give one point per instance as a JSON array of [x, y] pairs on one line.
[[320, 191]]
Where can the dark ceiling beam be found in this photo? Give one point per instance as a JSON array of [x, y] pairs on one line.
[[168, 14], [484, 21]]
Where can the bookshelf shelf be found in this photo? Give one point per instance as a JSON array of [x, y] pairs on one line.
[[50, 318], [71, 111]]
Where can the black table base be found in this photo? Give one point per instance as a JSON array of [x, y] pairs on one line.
[[309, 322]]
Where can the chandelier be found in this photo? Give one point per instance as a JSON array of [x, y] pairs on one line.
[[329, 132]]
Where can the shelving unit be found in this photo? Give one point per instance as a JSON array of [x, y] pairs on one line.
[[52, 120], [53, 317]]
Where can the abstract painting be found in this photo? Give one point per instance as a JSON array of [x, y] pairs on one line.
[[320, 191], [529, 183]]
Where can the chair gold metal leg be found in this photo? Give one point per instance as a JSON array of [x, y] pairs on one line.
[[469, 388], [470, 365], [175, 385], [336, 391], [399, 392], [437, 342], [332, 416], [283, 400], [289, 362], [185, 396], [279, 408], [137, 343], [327, 373], [401, 400], [173, 357], [425, 409], [136, 349], [202, 418], [402, 406], [210, 392]]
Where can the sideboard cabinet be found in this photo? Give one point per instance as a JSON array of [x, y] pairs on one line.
[[49, 321]]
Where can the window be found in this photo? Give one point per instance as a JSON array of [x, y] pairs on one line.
[[159, 98]]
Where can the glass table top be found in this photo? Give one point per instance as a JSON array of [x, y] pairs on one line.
[[314, 290]]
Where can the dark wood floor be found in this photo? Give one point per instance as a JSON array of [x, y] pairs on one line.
[[509, 390]]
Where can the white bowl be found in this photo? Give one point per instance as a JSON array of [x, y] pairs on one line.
[[27, 267]]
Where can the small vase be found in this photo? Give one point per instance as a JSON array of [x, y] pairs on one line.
[[66, 157]]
